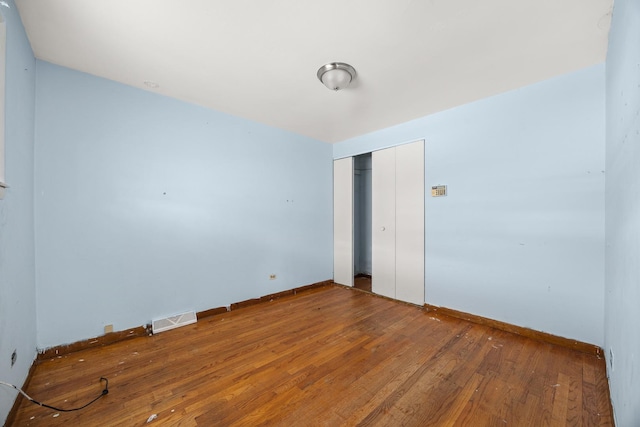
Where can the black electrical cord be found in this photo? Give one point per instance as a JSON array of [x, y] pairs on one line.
[[104, 392]]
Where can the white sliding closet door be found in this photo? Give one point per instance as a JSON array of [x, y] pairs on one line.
[[410, 222], [383, 222], [398, 222], [343, 221]]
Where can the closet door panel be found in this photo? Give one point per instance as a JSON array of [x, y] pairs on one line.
[[410, 222], [343, 221], [383, 220]]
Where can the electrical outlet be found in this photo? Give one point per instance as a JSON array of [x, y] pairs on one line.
[[272, 277], [14, 357], [108, 329]]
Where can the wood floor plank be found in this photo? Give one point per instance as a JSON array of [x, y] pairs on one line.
[[462, 369], [602, 393], [384, 379], [329, 356]]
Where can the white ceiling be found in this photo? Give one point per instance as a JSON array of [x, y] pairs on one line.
[[258, 58]]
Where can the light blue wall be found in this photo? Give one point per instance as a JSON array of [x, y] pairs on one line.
[[520, 237], [17, 271], [623, 212], [147, 206]]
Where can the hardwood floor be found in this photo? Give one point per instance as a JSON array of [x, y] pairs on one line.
[[330, 356]]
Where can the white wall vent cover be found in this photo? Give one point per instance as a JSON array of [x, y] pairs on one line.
[[161, 325]]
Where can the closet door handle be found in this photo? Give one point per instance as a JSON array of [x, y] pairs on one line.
[[382, 228]]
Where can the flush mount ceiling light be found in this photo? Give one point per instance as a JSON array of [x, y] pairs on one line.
[[336, 75]]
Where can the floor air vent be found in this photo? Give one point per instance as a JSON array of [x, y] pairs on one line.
[[173, 322]]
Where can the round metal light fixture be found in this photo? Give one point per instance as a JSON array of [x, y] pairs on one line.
[[336, 75]]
